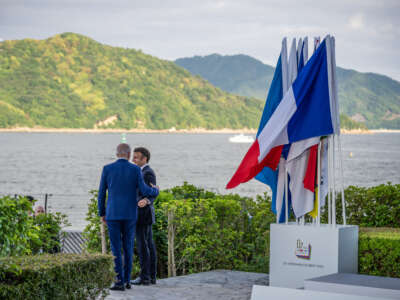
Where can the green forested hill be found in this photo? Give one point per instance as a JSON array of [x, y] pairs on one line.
[[369, 98], [238, 74], [72, 81]]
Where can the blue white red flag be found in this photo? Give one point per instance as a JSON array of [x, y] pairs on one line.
[[306, 111], [276, 91]]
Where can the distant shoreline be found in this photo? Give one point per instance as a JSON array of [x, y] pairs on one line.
[[194, 130], [85, 130]]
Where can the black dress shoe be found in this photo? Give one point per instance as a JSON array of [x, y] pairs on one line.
[[117, 287], [128, 285], [153, 281], [140, 281]]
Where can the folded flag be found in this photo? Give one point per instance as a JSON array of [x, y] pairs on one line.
[[323, 186], [276, 91], [283, 175], [304, 112], [301, 160]]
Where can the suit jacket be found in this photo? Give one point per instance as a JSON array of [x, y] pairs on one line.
[[147, 214], [122, 179]]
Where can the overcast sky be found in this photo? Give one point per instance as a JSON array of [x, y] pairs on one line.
[[367, 32]]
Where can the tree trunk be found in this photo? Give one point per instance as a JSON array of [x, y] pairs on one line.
[[171, 245]]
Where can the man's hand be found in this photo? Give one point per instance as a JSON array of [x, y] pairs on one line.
[[155, 186], [103, 219], [143, 202]]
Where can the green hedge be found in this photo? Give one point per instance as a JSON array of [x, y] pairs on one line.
[[377, 206], [214, 231], [57, 276], [379, 252]]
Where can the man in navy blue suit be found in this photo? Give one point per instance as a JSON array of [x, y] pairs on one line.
[[146, 217], [122, 179]]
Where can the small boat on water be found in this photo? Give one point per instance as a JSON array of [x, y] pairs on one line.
[[241, 138]]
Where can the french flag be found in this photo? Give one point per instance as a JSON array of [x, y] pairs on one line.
[[278, 87], [308, 109]]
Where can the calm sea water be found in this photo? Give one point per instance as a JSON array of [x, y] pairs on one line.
[[68, 165]]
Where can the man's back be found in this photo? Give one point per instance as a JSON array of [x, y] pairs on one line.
[[120, 178]]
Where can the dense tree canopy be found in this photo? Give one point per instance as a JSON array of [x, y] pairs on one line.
[[72, 81]]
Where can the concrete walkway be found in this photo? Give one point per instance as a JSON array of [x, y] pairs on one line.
[[213, 285]]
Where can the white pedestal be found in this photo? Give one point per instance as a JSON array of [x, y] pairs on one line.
[[356, 284], [275, 293], [299, 252]]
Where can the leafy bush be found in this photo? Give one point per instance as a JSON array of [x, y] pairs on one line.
[[377, 206], [379, 252], [57, 276], [22, 234], [49, 232], [217, 231], [91, 233], [211, 231], [214, 231], [16, 226]]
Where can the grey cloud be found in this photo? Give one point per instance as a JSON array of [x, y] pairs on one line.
[[175, 28]]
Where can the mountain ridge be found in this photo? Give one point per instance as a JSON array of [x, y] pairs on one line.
[[370, 98]]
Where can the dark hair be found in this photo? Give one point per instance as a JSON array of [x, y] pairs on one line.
[[144, 151]]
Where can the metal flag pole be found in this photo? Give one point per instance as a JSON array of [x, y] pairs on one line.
[[319, 184], [329, 181], [317, 40], [277, 217], [335, 91], [332, 177], [333, 183], [341, 180], [286, 197]]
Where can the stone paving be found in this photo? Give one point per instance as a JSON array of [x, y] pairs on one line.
[[213, 285]]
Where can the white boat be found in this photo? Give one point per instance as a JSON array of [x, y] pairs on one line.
[[241, 138]]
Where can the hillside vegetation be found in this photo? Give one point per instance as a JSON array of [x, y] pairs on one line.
[[368, 98], [72, 81]]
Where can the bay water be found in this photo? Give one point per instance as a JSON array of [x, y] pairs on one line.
[[68, 165]]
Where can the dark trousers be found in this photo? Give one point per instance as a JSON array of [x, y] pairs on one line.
[[147, 252], [122, 231]]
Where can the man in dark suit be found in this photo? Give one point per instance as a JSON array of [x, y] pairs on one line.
[[146, 217], [122, 179]]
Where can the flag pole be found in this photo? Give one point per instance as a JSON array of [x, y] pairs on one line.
[[319, 183], [286, 197], [334, 184], [329, 181], [341, 180], [332, 177], [337, 131]]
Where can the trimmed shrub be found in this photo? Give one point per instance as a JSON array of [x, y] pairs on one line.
[[57, 276], [377, 206], [214, 231], [379, 252]]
